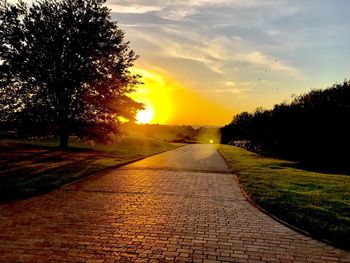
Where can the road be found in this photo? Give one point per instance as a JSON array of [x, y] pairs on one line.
[[182, 205]]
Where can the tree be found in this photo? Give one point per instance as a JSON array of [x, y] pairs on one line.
[[312, 128], [65, 65]]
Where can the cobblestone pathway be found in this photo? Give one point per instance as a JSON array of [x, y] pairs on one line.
[[181, 206]]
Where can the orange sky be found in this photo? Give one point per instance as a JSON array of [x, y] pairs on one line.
[[173, 103], [204, 61]]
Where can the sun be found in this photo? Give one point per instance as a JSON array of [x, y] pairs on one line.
[[145, 116]]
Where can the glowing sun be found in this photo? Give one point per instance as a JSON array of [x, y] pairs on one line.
[[145, 116]]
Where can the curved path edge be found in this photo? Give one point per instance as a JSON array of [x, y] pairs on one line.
[[301, 231], [253, 203]]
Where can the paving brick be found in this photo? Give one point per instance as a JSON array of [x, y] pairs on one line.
[[142, 214]]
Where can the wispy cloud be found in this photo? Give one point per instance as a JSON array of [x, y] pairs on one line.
[[253, 44], [231, 91], [269, 44], [179, 9], [208, 52], [133, 8], [266, 62], [191, 47]]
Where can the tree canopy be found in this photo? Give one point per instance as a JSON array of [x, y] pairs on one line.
[[312, 127], [65, 68]]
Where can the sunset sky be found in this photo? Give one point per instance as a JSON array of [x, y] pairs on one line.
[[214, 58], [205, 60]]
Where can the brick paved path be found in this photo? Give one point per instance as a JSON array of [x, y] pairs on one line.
[[176, 206]]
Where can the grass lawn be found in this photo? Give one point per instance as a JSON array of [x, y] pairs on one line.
[[315, 202], [28, 168]]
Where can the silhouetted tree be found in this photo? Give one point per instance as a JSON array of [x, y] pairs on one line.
[[313, 127], [64, 68]]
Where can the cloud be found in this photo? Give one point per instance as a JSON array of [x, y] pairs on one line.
[[230, 91], [177, 13], [219, 53], [230, 83], [272, 32], [177, 10], [203, 42], [236, 93], [133, 9], [207, 52], [174, 43], [267, 62]]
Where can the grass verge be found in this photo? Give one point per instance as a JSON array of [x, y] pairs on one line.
[[28, 168], [314, 202]]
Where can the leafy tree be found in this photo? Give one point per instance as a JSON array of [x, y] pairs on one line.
[[313, 127], [64, 68]]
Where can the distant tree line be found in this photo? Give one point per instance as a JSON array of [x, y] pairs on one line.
[[313, 127], [172, 133]]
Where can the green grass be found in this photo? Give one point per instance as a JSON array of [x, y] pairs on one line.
[[30, 168], [315, 202]]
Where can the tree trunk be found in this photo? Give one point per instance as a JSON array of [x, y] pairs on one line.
[[64, 131], [64, 138]]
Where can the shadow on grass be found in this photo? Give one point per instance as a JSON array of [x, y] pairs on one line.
[[28, 170], [324, 166]]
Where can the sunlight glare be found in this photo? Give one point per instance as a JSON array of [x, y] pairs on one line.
[[156, 94], [175, 103], [145, 116]]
